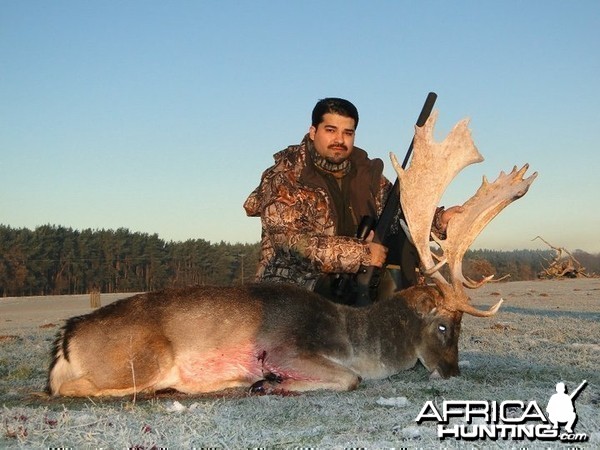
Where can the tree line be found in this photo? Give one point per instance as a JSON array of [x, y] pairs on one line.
[[52, 260], [59, 260]]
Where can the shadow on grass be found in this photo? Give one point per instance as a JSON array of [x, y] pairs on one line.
[[554, 313], [498, 370], [37, 399]]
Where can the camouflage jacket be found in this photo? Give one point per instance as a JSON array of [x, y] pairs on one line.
[[299, 236]]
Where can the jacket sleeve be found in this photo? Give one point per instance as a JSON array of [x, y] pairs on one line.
[[297, 227]]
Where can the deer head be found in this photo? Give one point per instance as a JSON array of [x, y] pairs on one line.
[[434, 165]]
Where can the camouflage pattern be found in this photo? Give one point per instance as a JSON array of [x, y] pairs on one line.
[[299, 238]]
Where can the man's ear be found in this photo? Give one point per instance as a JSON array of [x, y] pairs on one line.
[[311, 132]]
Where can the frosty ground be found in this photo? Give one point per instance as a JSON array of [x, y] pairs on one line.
[[546, 332]]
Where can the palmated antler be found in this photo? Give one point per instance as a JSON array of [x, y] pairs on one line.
[[433, 167], [478, 211]]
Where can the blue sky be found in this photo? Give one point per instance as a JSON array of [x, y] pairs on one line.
[[160, 116]]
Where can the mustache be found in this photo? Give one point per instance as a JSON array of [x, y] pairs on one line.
[[337, 147]]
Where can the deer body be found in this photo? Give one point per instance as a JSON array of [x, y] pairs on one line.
[[205, 339]]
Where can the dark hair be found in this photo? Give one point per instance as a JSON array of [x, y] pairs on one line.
[[334, 105]]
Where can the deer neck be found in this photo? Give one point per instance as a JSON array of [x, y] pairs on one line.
[[383, 337]]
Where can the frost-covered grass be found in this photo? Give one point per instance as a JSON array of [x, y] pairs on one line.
[[546, 332]]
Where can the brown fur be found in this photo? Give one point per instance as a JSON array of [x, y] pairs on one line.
[[274, 337]]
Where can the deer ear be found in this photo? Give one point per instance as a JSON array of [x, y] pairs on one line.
[[431, 314], [425, 305]]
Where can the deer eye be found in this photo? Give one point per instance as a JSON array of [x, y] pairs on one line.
[[442, 329]]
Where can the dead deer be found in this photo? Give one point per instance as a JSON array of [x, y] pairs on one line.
[[282, 338]]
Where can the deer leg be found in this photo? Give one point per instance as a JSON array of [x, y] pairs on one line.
[[80, 387], [84, 387], [312, 373], [138, 365]]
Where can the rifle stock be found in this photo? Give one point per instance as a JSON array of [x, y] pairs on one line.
[[389, 212]]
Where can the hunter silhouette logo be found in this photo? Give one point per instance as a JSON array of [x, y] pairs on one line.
[[560, 407], [510, 419]]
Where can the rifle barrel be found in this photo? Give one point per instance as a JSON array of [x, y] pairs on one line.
[[390, 210], [579, 388]]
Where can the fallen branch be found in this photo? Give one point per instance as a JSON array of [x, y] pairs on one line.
[[562, 266]]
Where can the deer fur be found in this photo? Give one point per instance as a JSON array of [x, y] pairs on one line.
[[276, 337]]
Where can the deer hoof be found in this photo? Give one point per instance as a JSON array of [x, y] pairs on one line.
[[269, 385], [259, 388]]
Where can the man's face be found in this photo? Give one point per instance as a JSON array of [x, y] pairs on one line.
[[334, 137]]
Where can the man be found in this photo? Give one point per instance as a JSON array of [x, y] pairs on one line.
[[311, 202], [560, 408]]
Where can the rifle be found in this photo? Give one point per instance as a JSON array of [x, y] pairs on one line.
[[389, 212], [576, 392]]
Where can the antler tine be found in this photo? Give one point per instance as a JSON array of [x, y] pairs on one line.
[[434, 165], [489, 200], [456, 298]]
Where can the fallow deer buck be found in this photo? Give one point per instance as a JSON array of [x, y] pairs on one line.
[[281, 338]]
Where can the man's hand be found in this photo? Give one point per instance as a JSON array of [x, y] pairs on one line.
[[378, 251], [447, 215]]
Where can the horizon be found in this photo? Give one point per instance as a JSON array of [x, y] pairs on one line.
[[161, 117]]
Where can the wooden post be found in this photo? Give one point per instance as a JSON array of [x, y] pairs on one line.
[[95, 298]]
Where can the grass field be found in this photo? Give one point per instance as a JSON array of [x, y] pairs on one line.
[[546, 332]]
